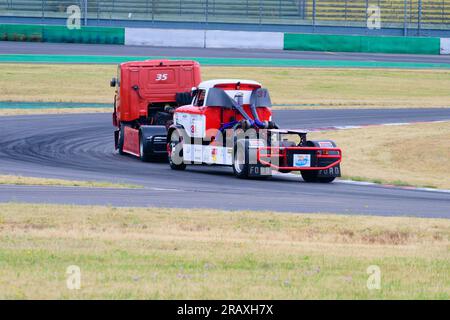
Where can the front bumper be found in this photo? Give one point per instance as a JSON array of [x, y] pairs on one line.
[[324, 160]]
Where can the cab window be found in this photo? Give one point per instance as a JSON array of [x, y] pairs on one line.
[[200, 98]]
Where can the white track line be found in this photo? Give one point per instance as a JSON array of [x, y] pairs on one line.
[[331, 128], [367, 183]]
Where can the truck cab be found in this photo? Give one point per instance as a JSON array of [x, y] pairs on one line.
[[146, 96], [207, 113]]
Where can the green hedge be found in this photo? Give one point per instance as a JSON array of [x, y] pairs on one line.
[[349, 43], [17, 32], [45, 33]]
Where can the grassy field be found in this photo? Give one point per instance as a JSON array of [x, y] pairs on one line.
[[402, 155], [203, 254], [14, 112], [341, 88], [34, 181]]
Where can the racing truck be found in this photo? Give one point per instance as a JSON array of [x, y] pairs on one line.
[[146, 95], [229, 123]]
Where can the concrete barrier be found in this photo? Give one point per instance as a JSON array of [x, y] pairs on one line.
[[164, 37], [445, 45], [244, 39], [225, 39]]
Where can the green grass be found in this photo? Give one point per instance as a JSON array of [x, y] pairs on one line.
[[131, 253], [236, 62], [21, 180], [394, 154], [320, 88]]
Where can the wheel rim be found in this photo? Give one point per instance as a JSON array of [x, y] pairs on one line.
[[174, 141], [239, 160]]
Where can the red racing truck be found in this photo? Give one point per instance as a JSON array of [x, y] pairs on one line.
[[146, 96], [162, 108], [229, 123]]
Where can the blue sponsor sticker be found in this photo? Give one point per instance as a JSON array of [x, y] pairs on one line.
[[302, 160]]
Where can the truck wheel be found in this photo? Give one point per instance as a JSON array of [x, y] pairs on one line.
[[120, 142], [310, 175], [175, 147], [240, 165], [143, 155], [326, 179]]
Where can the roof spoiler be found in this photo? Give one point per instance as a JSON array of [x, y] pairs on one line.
[[217, 97]]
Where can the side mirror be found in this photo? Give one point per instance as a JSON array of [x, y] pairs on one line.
[[113, 82], [194, 91]]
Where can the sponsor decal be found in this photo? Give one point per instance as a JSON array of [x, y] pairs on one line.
[[302, 160], [325, 144], [254, 143], [214, 154], [194, 124]]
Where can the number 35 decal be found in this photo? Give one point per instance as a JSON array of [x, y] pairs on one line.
[[161, 77]]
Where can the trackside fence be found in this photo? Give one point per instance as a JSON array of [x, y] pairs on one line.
[[412, 16]]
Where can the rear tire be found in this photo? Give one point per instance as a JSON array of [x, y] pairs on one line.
[[143, 155], [175, 147], [120, 142]]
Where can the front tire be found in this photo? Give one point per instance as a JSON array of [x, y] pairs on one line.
[[326, 179], [312, 176], [240, 162], [175, 147]]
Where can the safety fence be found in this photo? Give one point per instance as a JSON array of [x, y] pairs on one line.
[[407, 14], [225, 39]]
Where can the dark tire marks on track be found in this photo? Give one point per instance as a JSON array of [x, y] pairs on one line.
[[80, 147]]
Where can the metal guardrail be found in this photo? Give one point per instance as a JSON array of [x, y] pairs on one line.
[[407, 14]]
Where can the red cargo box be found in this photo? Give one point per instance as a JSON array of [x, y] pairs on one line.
[[143, 83]]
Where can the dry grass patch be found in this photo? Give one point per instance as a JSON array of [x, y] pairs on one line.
[[344, 88], [415, 154], [340, 88], [210, 254], [21, 180], [15, 112]]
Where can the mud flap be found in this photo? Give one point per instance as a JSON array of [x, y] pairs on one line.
[[256, 169], [331, 172]]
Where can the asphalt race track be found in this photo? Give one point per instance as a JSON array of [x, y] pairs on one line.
[[81, 147], [9, 47]]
